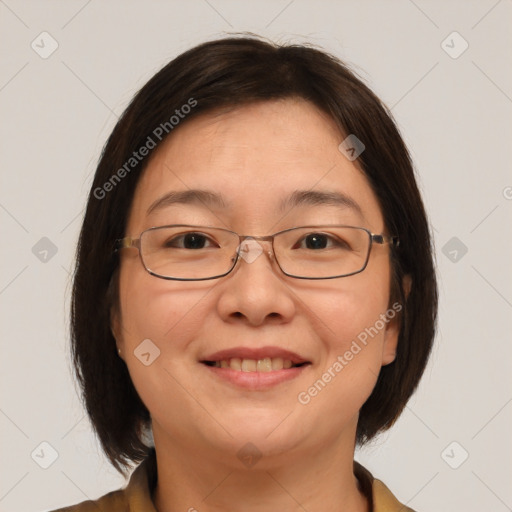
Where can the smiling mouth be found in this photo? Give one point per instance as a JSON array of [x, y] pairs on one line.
[[265, 365]]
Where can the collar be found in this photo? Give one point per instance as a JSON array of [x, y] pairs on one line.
[[139, 490]]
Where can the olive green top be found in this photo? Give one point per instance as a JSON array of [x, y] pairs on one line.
[[136, 497]]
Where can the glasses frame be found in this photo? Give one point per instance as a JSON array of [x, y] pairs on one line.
[[130, 242]]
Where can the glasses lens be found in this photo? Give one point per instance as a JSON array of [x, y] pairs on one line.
[[188, 252], [195, 252], [322, 251]]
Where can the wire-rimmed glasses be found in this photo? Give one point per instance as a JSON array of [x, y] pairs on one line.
[[185, 252]]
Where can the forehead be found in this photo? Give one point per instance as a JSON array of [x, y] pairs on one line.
[[254, 157]]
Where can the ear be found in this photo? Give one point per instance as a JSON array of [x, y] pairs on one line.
[[116, 329], [393, 327], [390, 342]]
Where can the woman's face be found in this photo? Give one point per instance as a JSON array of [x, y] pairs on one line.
[[254, 158]]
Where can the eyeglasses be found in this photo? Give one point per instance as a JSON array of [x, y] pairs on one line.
[[196, 253]]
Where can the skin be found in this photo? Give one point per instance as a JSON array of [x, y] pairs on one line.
[[254, 156]]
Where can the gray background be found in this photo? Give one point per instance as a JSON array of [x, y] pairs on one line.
[[454, 110]]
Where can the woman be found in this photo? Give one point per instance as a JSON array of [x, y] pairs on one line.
[[254, 290]]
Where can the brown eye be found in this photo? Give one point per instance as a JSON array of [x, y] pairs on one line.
[[189, 241], [316, 241]]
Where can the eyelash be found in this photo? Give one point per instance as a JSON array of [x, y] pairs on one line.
[[331, 239]]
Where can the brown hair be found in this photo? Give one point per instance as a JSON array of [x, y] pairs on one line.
[[231, 72]]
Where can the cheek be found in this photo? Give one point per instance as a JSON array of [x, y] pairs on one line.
[[347, 373], [351, 322], [352, 308], [159, 319], [157, 309], [353, 332]]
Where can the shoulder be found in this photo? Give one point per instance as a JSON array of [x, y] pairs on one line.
[[380, 497], [112, 502], [136, 495], [385, 501]]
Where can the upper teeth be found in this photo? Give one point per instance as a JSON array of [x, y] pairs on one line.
[[266, 364]]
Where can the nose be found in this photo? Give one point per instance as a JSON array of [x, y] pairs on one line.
[[250, 249], [255, 292]]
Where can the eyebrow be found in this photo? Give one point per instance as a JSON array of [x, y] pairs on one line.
[[319, 197], [191, 196], [297, 198]]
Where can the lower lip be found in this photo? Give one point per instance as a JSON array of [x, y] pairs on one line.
[[256, 380]]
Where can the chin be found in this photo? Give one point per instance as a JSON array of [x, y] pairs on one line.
[[270, 432]]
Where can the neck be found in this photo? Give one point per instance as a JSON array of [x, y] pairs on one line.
[[202, 479]]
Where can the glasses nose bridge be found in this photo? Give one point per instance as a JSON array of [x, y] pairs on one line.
[[263, 238]]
